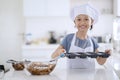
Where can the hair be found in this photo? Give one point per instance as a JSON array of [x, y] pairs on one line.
[[91, 27]]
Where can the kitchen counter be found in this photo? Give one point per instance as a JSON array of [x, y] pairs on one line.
[[114, 62], [62, 73]]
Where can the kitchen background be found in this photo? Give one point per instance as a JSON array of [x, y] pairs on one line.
[[49, 18], [26, 25]]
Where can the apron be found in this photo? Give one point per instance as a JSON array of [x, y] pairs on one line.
[[79, 63]]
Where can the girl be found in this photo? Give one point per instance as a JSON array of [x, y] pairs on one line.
[[84, 17]]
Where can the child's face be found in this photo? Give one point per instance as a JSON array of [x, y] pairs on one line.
[[83, 22]]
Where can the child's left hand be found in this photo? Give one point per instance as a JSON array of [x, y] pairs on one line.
[[108, 51]]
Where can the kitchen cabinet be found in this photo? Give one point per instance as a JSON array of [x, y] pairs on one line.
[[46, 7], [34, 7], [117, 7]]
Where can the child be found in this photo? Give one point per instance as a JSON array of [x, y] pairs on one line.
[[84, 17]]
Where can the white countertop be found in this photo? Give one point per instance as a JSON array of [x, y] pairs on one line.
[[114, 62], [61, 73]]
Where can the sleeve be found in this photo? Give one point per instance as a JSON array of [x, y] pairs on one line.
[[64, 42], [95, 44]]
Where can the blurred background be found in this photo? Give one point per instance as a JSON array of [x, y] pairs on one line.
[[34, 28]]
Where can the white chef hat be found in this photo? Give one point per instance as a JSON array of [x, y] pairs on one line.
[[85, 9]]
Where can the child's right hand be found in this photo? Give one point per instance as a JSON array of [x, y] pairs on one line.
[[58, 52], [61, 51]]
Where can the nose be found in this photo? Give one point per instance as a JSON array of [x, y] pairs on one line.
[[82, 22]]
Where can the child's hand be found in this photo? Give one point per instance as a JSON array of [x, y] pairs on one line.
[[108, 51], [61, 51]]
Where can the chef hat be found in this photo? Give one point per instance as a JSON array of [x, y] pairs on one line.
[[85, 9]]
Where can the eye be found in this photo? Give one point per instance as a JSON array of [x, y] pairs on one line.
[[86, 19], [78, 19]]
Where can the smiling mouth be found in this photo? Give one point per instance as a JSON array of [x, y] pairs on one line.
[[82, 27]]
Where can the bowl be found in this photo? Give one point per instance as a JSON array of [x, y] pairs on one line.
[[18, 66], [40, 67]]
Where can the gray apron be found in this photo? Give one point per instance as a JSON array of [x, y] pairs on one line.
[[79, 63]]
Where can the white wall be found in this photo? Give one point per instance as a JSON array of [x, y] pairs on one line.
[[11, 25]]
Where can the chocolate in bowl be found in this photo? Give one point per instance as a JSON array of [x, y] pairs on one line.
[[18, 66], [40, 68]]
